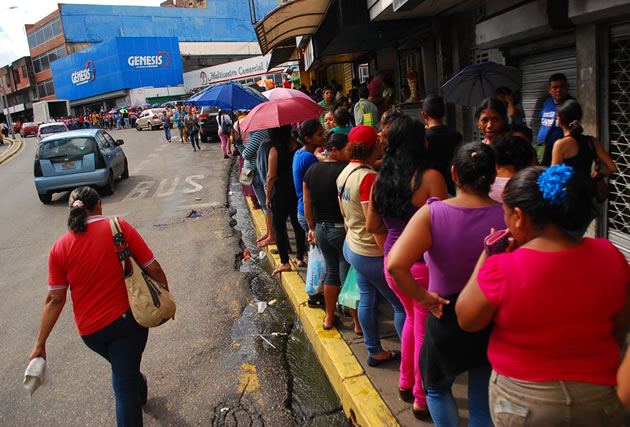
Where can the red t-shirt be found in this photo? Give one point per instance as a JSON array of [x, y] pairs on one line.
[[554, 312], [88, 264]]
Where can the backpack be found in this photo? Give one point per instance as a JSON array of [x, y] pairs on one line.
[[226, 128]]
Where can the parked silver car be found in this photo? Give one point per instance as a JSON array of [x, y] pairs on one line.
[[150, 119]]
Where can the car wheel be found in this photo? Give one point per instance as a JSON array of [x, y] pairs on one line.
[[45, 198], [108, 189], [138, 128], [125, 173], [150, 126], [204, 138]]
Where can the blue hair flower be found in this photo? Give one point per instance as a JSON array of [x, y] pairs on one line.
[[553, 183]]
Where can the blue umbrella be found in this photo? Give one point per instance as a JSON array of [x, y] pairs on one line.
[[479, 81], [228, 96]]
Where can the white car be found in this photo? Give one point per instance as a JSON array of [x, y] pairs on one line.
[[151, 119], [46, 129]]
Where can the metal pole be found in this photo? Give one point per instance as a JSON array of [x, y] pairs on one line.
[[9, 120]]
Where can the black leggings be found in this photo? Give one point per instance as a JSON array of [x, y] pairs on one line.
[[281, 209]]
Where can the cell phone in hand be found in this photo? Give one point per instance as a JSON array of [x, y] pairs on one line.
[[497, 242]]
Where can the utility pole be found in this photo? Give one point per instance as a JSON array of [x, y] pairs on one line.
[[5, 101]]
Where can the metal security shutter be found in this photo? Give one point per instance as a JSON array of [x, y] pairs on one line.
[[618, 221], [536, 72]]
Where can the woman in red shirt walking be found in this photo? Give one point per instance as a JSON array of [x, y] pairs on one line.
[[84, 260]]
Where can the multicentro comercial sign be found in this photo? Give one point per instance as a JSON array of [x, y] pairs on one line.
[[120, 63]]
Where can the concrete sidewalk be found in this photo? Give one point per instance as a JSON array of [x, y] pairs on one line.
[[369, 396]]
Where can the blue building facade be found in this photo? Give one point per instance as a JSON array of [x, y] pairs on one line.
[[120, 63], [222, 21]]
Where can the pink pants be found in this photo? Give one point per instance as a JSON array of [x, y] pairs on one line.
[[224, 139], [413, 333]]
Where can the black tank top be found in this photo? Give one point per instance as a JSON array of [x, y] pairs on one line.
[[583, 160]]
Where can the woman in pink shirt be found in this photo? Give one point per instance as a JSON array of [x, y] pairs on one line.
[[559, 307]]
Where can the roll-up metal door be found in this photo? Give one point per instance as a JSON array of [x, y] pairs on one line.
[[618, 212], [536, 72]]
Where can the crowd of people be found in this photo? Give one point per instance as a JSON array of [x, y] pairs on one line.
[[478, 247]]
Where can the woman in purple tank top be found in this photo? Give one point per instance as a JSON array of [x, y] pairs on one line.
[[403, 185], [450, 233]]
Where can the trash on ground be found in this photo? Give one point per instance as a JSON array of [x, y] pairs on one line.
[[262, 255], [262, 305], [272, 302], [229, 193], [225, 409], [197, 198], [193, 214], [247, 254], [267, 341]]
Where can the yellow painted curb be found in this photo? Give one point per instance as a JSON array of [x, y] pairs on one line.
[[15, 145], [360, 400]]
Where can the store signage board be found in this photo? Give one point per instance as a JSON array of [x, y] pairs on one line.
[[119, 63], [250, 67], [309, 55]]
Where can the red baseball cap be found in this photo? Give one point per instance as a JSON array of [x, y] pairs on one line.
[[363, 134]]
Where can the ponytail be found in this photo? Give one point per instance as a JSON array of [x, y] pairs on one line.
[[82, 200]]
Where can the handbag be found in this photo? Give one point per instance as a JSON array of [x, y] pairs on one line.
[[600, 186], [246, 177], [368, 118], [151, 303]]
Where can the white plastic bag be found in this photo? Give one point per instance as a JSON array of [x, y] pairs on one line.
[[316, 271]]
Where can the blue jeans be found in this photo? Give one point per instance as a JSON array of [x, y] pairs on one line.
[[127, 122], [330, 239], [194, 138], [259, 191], [167, 133], [444, 409], [122, 343], [303, 222], [371, 281]]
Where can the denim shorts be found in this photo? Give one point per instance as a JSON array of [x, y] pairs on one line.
[[330, 238]]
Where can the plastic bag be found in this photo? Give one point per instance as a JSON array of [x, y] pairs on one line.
[[349, 295], [316, 271]]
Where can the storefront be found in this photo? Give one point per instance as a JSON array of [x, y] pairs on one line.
[[102, 76], [246, 71]]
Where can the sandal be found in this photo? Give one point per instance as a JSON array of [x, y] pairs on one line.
[[334, 324], [421, 414], [406, 394], [298, 262], [281, 268], [393, 355]]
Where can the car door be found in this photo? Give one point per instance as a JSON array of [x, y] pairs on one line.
[[118, 156], [106, 151]]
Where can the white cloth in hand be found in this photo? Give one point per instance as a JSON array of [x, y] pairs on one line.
[[36, 375]]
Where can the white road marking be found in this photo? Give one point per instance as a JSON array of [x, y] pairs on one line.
[[197, 187], [160, 191]]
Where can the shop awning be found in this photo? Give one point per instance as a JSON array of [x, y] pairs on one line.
[[292, 19], [284, 53]]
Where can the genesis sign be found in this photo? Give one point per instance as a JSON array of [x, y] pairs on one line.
[[161, 59], [84, 76]]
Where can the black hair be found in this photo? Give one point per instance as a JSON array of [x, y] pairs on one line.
[[524, 130], [513, 151], [342, 100], [364, 92], [88, 198], [327, 88], [434, 106], [503, 90], [405, 162], [356, 82], [558, 76], [389, 116], [343, 117], [337, 140], [492, 104], [280, 138], [574, 213], [308, 129], [570, 113], [475, 164]]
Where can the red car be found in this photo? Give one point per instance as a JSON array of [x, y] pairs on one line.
[[28, 129]]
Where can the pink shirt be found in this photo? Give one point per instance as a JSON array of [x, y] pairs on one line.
[[554, 312], [88, 264]]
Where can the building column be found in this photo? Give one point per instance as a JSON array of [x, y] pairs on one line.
[[587, 56]]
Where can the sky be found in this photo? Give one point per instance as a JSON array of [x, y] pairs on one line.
[[15, 13]]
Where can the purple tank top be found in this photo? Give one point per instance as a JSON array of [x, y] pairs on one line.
[[395, 227], [457, 235]]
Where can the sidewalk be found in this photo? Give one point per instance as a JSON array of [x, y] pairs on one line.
[[369, 396]]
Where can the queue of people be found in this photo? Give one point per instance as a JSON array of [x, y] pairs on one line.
[[478, 247]]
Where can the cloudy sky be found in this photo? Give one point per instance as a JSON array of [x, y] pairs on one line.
[[15, 13]]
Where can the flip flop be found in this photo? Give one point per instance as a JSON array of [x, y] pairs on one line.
[[334, 325], [298, 262], [280, 269], [393, 355]]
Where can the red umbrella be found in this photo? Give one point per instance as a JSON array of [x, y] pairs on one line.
[[280, 112]]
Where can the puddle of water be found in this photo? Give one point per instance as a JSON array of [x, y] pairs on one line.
[[313, 400]]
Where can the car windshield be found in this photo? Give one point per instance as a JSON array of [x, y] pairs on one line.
[[209, 110], [29, 124], [52, 129], [66, 147]]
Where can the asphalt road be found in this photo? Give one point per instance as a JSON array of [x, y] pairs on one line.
[[205, 368]]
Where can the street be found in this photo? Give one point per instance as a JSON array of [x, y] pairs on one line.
[[209, 366]]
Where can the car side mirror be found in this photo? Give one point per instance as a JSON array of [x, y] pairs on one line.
[[119, 142]]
